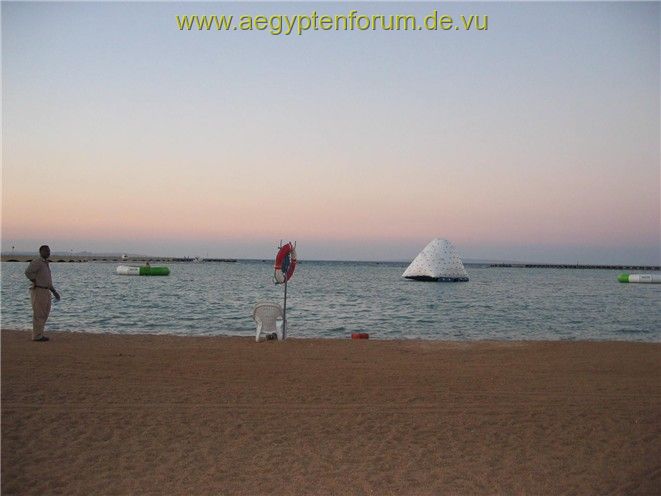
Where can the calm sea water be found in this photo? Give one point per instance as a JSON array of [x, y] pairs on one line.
[[334, 299]]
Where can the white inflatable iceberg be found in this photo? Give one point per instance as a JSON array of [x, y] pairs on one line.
[[439, 261]]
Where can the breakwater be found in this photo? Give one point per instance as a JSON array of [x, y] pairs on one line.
[[110, 258], [575, 266]]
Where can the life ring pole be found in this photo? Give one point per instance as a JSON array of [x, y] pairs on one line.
[[285, 259], [284, 315], [284, 307]]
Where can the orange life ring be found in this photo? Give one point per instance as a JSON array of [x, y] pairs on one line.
[[285, 263]]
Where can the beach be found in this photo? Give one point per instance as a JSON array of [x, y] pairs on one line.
[[144, 414]]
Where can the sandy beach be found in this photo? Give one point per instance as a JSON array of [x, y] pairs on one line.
[[110, 414]]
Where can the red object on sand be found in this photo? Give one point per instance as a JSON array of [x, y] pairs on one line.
[[359, 335]]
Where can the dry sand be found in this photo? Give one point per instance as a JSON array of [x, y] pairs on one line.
[[107, 414]]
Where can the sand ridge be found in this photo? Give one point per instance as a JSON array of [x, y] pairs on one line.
[[119, 414]]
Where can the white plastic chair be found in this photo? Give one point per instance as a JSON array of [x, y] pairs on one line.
[[266, 316]]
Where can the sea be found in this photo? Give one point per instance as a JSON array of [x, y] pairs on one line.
[[334, 299]]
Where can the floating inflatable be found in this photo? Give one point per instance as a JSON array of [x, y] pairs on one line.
[[439, 261], [640, 278], [145, 270], [285, 263]]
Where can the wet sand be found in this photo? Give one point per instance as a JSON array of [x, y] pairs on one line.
[[109, 414]]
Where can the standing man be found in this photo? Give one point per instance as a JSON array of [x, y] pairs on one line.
[[42, 286]]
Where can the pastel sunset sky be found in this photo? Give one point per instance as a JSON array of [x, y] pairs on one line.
[[537, 140]]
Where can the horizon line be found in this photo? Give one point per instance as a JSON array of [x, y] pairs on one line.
[[474, 261]]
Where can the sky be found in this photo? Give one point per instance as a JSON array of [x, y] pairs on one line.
[[535, 140]]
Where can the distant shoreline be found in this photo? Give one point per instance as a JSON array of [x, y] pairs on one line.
[[513, 265], [111, 258], [574, 266]]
